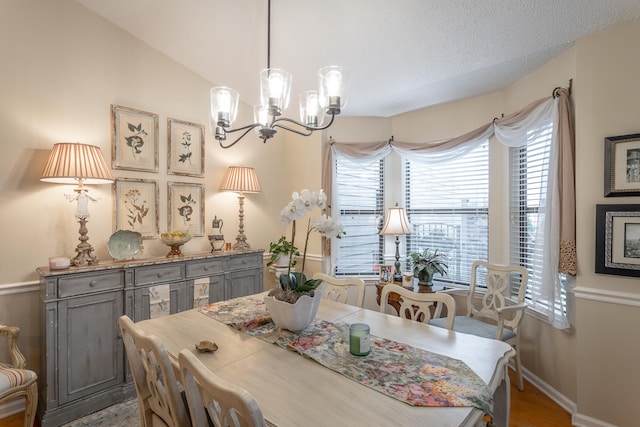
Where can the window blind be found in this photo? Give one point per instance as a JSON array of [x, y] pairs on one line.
[[529, 170], [360, 189], [448, 206]]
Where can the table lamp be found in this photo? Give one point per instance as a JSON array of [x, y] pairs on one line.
[[74, 163], [396, 223], [241, 179]]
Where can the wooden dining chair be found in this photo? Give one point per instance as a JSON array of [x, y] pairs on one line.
[[159, 397], [15, 379], [421, 307], [338, 289], [489, 312], [215, 400]]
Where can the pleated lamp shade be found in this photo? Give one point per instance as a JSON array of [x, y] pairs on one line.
[[396, 222], [241, 179], [70, 163]]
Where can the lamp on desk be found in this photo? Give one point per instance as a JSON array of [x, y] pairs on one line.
[[73, 163], [396, 223], [241, 179]]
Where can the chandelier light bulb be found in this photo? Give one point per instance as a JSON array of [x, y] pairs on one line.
[[334, 82], [311, 113], [224, 106]]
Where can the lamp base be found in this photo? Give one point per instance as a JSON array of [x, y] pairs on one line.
[[84, 257], [241, 243], [83, 249]]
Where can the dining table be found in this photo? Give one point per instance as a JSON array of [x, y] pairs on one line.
[[294, 391]]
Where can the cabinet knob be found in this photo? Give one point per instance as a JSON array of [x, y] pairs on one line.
[[206, 268], [93, 283], [160, 274]]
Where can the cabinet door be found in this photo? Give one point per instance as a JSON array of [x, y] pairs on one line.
[[245, 282], [90, 353], [159, 300], [207, 290]]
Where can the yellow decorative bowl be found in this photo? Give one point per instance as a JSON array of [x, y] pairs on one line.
[[175, 239]]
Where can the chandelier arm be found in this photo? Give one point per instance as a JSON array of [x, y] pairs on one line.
[[297, 123], [299, 132], [246, 129]]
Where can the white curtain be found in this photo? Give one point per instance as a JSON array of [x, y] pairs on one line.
[[557, 225], [544, 282]]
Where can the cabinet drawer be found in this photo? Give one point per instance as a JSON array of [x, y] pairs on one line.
[[206, 267], [79, 284], [158, 273], [238, 262]]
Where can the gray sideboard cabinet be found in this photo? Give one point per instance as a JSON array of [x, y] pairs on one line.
[[83, 366]]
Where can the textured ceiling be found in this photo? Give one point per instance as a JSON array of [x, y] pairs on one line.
[[403, 54]]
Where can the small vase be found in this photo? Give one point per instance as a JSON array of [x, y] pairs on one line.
[[294, 317]]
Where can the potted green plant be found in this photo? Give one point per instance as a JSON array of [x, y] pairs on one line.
[[426, 264], [282, 253]]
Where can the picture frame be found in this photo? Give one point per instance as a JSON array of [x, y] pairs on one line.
[[134, 139], [622, 165], [136, 206], [385, 273], [618, 240], [185, 207], [185, 148]]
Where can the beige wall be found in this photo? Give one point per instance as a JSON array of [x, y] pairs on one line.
[[607, 99], [59, 77]]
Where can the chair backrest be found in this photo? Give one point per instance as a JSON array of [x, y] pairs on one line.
[[153, 376], [224, 402], [498, 280], [418, 306], [338, 289]]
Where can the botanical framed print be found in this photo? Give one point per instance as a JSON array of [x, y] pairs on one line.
[[134, 139], [136, 206], [186, 208], [622, 165], [618, 240], [185, 148]]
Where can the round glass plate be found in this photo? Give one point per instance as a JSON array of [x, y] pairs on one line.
[[125, 244]]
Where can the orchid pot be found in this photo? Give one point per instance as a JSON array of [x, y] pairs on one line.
[[294, 286]]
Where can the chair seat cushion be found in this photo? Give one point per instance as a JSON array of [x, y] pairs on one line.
[[469, 325], [12, 378]]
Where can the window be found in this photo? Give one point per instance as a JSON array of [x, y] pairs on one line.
[[529, 170], [448, 206], [360, 192], [446, 202]]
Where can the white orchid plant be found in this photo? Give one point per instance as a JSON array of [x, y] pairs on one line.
[[302, 203]]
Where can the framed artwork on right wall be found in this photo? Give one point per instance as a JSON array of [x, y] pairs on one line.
[[618, 240], [622, 165]]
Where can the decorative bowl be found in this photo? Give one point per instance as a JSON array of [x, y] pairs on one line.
[[175, 239], [125, 244]]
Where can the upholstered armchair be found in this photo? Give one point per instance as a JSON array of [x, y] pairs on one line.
[[15, 379]]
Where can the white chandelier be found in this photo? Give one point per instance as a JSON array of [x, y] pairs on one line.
[[275, 89]]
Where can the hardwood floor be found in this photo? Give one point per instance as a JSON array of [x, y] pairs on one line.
[[529, 408], [532, 408]]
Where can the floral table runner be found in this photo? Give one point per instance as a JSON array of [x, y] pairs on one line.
[[412, 375]]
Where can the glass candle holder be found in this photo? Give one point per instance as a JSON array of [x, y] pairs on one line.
[[359, 343]]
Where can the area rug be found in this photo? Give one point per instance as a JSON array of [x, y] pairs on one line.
[[121, 415]]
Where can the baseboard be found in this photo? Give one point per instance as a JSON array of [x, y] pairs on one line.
[[12, 407], [581, 420], [563, 401]]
